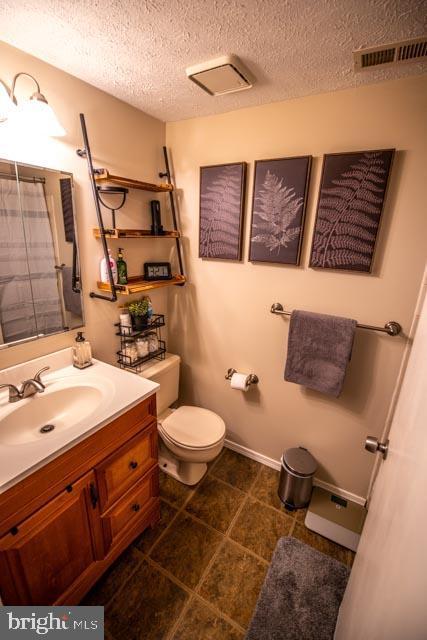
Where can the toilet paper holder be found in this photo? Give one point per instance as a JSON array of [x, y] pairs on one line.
[[251, 379]]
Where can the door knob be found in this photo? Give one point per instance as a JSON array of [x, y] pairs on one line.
[[373, 445]]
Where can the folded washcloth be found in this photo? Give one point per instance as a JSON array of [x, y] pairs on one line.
[[319, 348]]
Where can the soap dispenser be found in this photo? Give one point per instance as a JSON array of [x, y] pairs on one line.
[[82, 352], [122, 270]]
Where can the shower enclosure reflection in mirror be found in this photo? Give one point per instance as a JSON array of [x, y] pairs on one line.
[[39, 267]]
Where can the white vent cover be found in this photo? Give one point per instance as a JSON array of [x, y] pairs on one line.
[[404, 51], [222, 75]]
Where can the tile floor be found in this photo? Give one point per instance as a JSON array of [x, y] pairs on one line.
[[197, 575]]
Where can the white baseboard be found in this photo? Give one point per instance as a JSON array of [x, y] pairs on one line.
[[253, 455], [275, 464]]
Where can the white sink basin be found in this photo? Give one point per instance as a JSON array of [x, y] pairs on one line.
[[76, 403], [44, 416]]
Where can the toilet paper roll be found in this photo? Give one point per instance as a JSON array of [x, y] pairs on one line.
[[239, 381]]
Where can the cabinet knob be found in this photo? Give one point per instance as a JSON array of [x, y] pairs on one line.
[[136, 507], [133, 464]]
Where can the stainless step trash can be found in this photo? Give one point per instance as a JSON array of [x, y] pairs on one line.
[[296, 477]]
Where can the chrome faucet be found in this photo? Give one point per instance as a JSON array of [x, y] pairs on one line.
[[14, 393], [28, 388]]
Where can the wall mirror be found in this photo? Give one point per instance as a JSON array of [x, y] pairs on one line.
[[39, 264]]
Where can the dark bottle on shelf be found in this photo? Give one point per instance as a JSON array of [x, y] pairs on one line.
[[156, 226], [122, 270]]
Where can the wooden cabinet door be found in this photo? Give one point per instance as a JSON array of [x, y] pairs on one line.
[[45, 554]]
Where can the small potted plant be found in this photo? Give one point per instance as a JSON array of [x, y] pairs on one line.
[[139, 311]]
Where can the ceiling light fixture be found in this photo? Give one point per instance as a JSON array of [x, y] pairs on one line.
[[34, 114], [6, 104]]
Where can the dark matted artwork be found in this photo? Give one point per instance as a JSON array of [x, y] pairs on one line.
[[351, 199], [278, 209], [222, 190]]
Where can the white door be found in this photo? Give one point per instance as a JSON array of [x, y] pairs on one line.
[[386, 596]]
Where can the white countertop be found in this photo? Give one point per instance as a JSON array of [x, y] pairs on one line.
[[117, 390]]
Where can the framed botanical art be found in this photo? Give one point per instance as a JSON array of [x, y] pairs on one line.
[[222, 192], [278, 209], [351, 199]]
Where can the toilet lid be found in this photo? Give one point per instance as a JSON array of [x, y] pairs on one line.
[[194, 427]]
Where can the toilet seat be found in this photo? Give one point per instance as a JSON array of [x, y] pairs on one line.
[[178, 445], [193, 428]]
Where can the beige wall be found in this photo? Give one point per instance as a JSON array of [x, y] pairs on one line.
[[222, 319], [123, 139]]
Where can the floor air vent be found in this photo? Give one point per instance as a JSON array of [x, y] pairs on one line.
[[399, 52]]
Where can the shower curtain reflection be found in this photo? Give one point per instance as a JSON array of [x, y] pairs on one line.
[[29, 296]]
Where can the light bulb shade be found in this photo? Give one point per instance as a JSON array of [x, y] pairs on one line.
[[38, 117], [6, 104]]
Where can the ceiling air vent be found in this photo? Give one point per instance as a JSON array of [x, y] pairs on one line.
[[404, 51], [222, 75]]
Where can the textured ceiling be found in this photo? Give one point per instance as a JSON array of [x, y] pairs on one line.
[[138, 50]]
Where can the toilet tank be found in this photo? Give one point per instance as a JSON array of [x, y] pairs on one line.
[[166, 374]]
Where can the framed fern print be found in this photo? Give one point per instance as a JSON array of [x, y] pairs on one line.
[[351, 200], [222, 191], [278, 209]]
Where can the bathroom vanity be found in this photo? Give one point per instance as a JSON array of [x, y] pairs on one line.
[[67, 517]]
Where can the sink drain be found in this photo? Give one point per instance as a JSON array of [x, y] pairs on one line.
[[47, 428]]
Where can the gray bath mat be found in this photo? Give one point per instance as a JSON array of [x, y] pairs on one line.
[[301, 595]]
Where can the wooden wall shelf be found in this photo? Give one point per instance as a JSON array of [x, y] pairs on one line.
[[97, 178], [136, 284], [130, 183], [116, 234]]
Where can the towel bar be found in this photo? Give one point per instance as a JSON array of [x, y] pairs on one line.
[[392, 328]]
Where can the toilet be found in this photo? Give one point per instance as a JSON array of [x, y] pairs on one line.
[[190, 437]]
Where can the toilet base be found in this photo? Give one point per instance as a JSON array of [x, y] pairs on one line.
[[189, 473]]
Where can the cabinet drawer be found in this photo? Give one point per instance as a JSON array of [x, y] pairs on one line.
[[126, 466], [133, 506]]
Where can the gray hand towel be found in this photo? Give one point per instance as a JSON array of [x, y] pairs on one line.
[[72, 300], [319, 349]]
